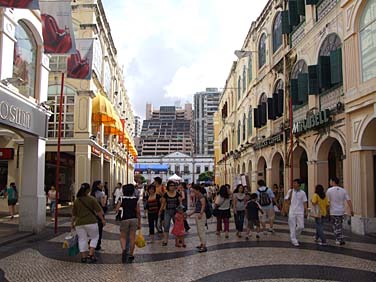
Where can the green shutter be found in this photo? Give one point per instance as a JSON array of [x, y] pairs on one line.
[[303, 87], [300, 7], [285, 22], [313, 82], [294, 91], [324, 73], [293, 13], [311, 2], [336, 66]]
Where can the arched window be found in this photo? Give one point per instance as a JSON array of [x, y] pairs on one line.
[[262, 51], [244, 127], [250, 122], [239, 87], [244, 79], [239, 129], [24, 60], [299, 83], [277, 32], [250, 69], [367, 30]]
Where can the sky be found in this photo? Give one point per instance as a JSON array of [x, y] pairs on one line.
[[171, 49]]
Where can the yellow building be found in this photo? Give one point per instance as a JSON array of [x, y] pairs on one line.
[[323, 56]]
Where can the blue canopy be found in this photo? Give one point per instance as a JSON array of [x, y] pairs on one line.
[[154, 167]]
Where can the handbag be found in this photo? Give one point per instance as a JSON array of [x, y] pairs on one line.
[[286, 205], [314, 212]]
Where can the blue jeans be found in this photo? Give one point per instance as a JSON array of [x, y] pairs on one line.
[[320, 229], [239, 220], [52, 208], [168, 215]]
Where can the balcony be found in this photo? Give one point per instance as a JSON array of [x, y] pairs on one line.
[[297, 34], [324, 7], [330, 98], [300, 113]]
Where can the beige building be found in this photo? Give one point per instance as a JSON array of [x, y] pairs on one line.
[[323, 56], [91, 148]]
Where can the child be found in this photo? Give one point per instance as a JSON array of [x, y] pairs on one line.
[[178, 229], [253, 209]]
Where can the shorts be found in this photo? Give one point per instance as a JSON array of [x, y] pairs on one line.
[[12, 202], [253, 222], [268, 214], [128, 225]]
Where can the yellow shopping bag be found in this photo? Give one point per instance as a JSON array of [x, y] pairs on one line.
[[140, 240]]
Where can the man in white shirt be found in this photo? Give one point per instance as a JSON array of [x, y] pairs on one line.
[[337, 197], [298, 208]]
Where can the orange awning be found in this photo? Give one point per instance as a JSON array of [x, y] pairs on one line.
[[102, 110]]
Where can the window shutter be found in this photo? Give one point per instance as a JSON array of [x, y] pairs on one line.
[[256, 120], [285, 22], [271, 112], [311, 2], [275, 105], [300, 7], [294, 91], [303, 87], [293, 13], [280, 102], [313, 82], [263, 114], [336, 66], [324, 73]]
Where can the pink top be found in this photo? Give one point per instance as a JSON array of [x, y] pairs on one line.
[[178, 229]]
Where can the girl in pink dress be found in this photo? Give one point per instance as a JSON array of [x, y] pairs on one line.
[[178, 229]]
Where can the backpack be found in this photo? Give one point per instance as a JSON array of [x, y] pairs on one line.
[[264, 198], [208, 209]]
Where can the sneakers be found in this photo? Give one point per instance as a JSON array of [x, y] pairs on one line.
[[295, 243], [341, 243], [323, 243], [203, 250]]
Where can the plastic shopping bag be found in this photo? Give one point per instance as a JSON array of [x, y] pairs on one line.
[[140, 240], [71, 243]]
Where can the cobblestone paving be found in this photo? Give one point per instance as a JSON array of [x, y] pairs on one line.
[[272, 258]]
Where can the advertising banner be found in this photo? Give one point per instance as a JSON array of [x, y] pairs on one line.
[[58, 33], [24, 4], [80, 63]]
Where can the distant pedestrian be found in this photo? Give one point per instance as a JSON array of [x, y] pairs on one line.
[[266, 199], [85, 212], [97, 192], [298, 208], [321, 200], [52, 201], [200, 217], [222, 205], [253, 209], [178, 229], [153, 204], [130, 222], [182, 189], [118, 193], [337, 197], [12, 194], [238, 200]]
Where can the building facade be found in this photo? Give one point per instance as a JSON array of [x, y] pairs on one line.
[[310, 75], [166, 130], [23, 116], [187, 167], [92, 149], [205, 105]]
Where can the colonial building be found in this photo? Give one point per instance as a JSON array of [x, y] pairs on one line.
[[92, 149], [310, 69]]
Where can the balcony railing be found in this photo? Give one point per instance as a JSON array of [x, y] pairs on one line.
[[324, 7], [297, 34], [330, 98], [300, 113]]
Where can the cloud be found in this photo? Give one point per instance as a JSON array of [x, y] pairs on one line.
[[172, 49]]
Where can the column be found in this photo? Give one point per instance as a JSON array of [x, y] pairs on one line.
[[33, 199], [96, 169], [322, 173], [312, 179], [269, 177], [83, 165]]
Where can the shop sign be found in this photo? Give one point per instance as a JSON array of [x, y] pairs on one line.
[[20, 115], [106, 157], [312, 121], [6, 154], [95, 151], [269, 142]]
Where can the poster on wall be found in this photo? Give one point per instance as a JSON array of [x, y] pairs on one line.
[[23, 4], [80, 63], [57, 27]]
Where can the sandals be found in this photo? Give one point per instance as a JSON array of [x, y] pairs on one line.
[[91, 259]]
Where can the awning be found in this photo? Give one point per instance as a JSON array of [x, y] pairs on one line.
[[153, 167], [102, 110]]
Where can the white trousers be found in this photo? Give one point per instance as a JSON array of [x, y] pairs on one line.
[[296, 225], [86, 232]]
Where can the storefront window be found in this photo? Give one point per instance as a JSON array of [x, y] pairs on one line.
[[24, 60], [368, 40]]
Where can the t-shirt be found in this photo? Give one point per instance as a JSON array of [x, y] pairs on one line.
[[12, 193], [240, 201], [323, 203], [337, 197], [85, 214], [99, 195], [298, 199], [253, 209], [270, 194], [118, 194], [52, 195], [171, 202], [223, 204], [129, 205]]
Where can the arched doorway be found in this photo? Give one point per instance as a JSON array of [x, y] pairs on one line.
[[329, 161], [301, 167], [261, 169], [278, 168]]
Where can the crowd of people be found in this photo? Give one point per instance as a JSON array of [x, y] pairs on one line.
[[166, 210]]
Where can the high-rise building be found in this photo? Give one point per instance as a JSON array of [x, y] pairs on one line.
[[137, 126], [205, 105], [166, 130]]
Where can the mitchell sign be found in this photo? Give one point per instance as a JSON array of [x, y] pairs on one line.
[[312, 121]]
